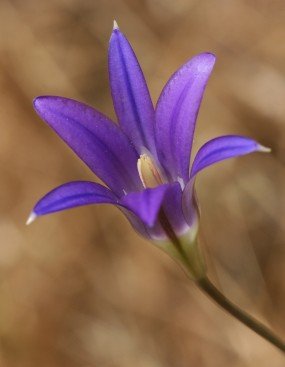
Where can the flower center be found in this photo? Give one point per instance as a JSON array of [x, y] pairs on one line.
[[149, 173]]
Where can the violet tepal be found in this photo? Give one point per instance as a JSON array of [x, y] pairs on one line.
[[144, 160]]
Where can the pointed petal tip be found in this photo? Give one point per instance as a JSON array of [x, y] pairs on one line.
[[212, 56], [35, 102], [263, 149], [38, 102], [115, 26], [31, 219], [209, 54], [206, 61]]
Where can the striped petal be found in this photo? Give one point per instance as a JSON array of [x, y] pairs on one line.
[[222, 148], [214, 151], [141, 208], [177, 111], [95, 139], [130, 94], [71, 195]]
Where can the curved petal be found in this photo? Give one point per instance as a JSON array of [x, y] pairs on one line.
[[222, 148], [214, 151], [176, 114], [71, 195], [145, 204], [144, 217], [190, 205], [94, 138], [130, 93], [141, 208], [172, 206]]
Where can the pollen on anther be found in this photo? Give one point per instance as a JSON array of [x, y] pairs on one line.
[[148, 172]]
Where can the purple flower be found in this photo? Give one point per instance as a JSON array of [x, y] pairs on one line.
[[145, 160]]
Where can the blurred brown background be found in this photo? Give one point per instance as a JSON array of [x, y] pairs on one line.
[[80, 288]]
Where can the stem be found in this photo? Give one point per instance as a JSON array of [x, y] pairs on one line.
[[208, 287]]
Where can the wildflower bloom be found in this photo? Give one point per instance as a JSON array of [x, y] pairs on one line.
[[145, 159]]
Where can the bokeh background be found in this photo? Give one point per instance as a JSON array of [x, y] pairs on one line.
[[80, 288]]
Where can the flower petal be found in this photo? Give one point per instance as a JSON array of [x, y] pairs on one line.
[[190, 205], [144, 218], [71, 195], [130, 93], [222, 148], [176, 114], [94, 138], [172, 206], [145, 204], [214, 151]]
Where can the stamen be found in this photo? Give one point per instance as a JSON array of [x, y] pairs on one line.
[[149, 173]]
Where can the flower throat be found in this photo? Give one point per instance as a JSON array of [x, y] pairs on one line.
[[149, 173]]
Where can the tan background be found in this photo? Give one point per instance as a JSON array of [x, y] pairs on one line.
[[80, 288]]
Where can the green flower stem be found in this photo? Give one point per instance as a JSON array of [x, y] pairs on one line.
[[193, 262], [208, 287]]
